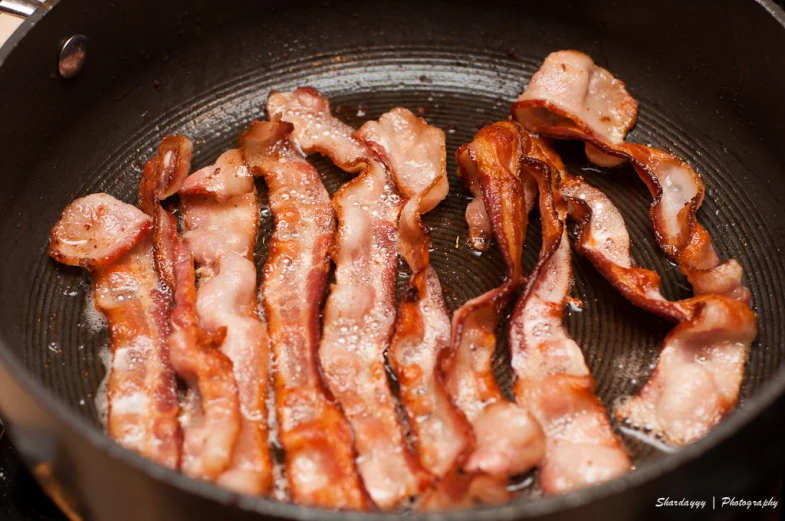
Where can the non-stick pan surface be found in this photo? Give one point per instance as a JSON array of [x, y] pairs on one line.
[[707, 76]]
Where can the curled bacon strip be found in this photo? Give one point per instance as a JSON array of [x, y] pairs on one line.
[[416, 153], [715, 366], [552, 379], [210, 419], [571, 98], [221, 216], [315, 435], [508, 440], [702, 362]]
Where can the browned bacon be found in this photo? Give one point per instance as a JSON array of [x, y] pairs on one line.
[[664, 404], [552, 379], [508, 440], [220, 229], [701, 365], [143, 410], [316, 437], [416, 153], [599, 111], [360, 311]]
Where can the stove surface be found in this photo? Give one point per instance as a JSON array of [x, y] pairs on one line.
[[21, 499]]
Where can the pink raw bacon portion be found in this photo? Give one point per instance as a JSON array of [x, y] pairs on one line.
[[552, 379], [678, 192], [316, 129], [221, 235], [315, 435], [96, 230], [416, 154]]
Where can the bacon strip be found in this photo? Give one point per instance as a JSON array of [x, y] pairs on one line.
[[142, 392], [416, 153], [221, 216], [701, 365], [315, 435], [508, 439], [360, 311], [210, 419], [664, 404], [142, 401], [607, 112], [552, 379]]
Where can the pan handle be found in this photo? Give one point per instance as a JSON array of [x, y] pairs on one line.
[[21, 8]]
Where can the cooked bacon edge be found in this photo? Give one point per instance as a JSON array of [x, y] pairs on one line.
[[416, 153], [316, 437], [697, 379], [552, 379], [220, 230]]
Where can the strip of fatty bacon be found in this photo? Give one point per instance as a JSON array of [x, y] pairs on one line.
[[552, 379], [360, 311], [316, 437], [210, 419], [113, 240], [508, 439], [702, 360], [706, 353], [415, 152], [220, 216]]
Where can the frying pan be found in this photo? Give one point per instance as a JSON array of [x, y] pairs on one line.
[[709, 76]]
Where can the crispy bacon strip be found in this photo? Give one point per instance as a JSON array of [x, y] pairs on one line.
[[315, 435], [697, 379], [416, 153], [360, 311], [508, 439], [664, 404], [552, 379], [142, 392], [221, 216], [571, 98]]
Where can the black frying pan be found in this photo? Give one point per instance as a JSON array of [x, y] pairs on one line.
[[710, 77]]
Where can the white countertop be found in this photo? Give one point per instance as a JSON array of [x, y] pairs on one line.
[[8, 25]]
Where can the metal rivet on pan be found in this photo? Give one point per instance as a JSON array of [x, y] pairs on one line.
[[72, 56]]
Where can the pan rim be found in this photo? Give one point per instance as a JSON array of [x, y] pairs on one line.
[[51, 404]]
